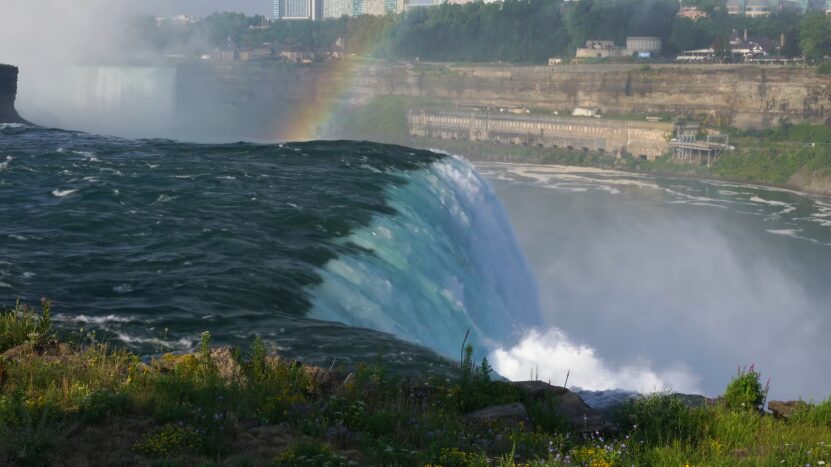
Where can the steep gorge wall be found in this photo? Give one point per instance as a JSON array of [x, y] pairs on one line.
[[8, 94], [740, 96]]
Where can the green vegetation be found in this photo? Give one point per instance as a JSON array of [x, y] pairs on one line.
[[89, 403], [384, 118], [515, 31], [783, 155], [745, 391], [21, 325], [787, 154]]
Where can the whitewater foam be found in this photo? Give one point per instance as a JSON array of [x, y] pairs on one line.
[[552, 356], [96, 319], [62, 193]]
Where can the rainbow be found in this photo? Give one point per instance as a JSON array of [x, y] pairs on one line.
[[315, 114]]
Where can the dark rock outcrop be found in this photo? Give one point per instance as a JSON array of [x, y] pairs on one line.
[[784, 410], [8, 94], [510, 414], [565, 404]]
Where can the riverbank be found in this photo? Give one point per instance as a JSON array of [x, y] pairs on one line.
[[70, 400], [796, 157]]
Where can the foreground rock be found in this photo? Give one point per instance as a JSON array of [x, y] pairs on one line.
[[565, 404], [511, 414], [785, 409]]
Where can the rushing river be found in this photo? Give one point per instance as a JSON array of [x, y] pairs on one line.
[[653, 282], [340, 251], [151, 242]]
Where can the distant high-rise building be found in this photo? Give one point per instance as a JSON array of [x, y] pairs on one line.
[[373, 7], [298, 9], [338, 8]]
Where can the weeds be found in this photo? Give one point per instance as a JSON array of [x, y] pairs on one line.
[[202, 406], [22, 325], [745, 391]]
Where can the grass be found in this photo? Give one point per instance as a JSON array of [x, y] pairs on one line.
[[776, 157], [92, 403], [22, 324]]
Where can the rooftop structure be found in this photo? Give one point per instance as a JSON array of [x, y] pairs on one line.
[[643, 45], [692, 12], [640, 46]]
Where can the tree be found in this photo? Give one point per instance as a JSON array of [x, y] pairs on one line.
[[722, 49], [792, 48], [815, 37]]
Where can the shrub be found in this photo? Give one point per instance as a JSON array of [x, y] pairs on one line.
[[168, 441], [22, 325], [745, 391], [476, 389], [661, 418], [818, 415], [311, 452], [454, 457], [824, 68], [32, 436]]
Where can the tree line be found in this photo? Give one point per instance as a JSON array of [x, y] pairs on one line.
[[518, 31]]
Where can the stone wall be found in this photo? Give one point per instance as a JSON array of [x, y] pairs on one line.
[[647, 140]]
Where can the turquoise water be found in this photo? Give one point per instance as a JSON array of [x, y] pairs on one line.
[[151, 242]]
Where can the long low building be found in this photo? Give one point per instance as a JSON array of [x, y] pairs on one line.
[[646, 140]]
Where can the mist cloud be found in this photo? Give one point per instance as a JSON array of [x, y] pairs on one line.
[[631, 272], [552, 356]]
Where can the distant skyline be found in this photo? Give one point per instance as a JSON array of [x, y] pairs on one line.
[[206, 7]]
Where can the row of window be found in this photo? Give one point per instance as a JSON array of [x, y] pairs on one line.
[[517, 124]]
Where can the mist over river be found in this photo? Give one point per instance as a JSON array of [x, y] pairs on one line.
[[671, 283]]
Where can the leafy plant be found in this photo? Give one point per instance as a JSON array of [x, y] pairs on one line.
[[22, 325], [745, 390], [33, 440], [311, 452], [660, 419]]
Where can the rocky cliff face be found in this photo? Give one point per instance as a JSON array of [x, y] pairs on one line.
[[740, 96], [8, 93]]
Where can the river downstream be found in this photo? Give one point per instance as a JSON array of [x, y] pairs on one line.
[[671, 283]]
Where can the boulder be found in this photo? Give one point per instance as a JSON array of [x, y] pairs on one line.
[[564, 404], [511, 414], [784, 409]]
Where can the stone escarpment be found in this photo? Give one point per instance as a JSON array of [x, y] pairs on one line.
[[8, 93], [745, 97]]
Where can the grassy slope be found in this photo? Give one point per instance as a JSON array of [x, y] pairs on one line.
[[67, 405]]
